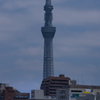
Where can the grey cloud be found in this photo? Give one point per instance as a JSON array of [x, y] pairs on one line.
[[75, 17], [88, 72], [78, 44], [21, 42]]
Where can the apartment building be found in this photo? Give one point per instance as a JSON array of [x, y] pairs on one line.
[[51, 84]]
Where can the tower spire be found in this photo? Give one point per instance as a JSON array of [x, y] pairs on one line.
[[48, 13], [48, 32], [48, 2]]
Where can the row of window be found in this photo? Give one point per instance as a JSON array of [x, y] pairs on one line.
[[62, 92], [60, 80], [63, 97], [21, 96], [52, 92], [55, 86], [59, 83], [76, 90]]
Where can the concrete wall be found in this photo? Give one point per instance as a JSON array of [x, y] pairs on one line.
[[37, 94], [96, 90], [41, 99], [62, 94], [87, 97], [68, 94], [98, 97], [2, 87]]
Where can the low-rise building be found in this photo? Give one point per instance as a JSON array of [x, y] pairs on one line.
[[78, 92], [39, 95], [8, 93], [11, 94], [3, 87], [43, 99]]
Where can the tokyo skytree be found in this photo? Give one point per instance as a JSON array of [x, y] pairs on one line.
[[48, 32]]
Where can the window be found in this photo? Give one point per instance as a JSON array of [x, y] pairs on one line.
[[62, 92], [76, 91], [62, 97]]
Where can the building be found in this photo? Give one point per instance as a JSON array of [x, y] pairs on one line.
[[8, 93], [79, 92], [37, 94], [48, 32], [43, 99], [2, 87], [98, 97], [51, 84], [87, 97]]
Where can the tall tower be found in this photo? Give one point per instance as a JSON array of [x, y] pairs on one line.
[[48, 32]]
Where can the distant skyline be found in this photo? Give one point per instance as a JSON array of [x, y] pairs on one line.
[[76, 44]]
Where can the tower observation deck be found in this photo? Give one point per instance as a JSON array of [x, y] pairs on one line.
[[48, 32]]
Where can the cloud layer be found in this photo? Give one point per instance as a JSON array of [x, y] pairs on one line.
[[76, 43]]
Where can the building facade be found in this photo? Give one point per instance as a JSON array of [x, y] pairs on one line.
[[51, 84], [8, 93], [37, 94], [79, 92], [2, 87]]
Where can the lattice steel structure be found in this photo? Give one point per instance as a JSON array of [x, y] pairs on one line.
[[48, 32]]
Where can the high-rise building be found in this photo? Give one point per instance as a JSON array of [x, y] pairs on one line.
[[51, 84], [48, 32]]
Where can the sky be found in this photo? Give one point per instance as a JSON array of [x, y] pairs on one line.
[[76, 45]]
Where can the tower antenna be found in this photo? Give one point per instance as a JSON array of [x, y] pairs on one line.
[[48, 2]]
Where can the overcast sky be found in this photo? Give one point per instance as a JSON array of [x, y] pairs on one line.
[[76, 42]]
